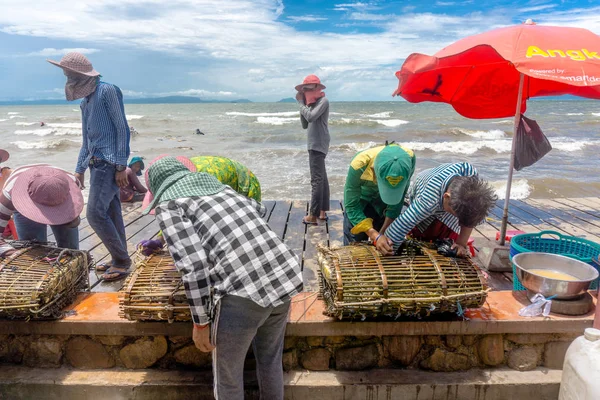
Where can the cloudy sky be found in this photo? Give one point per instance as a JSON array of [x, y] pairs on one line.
[[255, 49]]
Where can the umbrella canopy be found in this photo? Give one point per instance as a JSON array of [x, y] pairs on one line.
[[479, 75], [491, 75]]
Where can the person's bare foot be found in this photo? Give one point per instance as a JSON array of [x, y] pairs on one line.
[[323, 216], [309, 220]]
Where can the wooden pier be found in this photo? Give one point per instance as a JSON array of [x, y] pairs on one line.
[[569, 216]]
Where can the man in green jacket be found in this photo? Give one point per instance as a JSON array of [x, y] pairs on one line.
[[377, 181]]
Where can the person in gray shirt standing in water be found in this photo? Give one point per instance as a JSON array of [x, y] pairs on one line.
[[314, 116]]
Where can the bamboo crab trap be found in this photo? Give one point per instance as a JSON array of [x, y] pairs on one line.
[[38, 281], [356, 282], [154, 291]]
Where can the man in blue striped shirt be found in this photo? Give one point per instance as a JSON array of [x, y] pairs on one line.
[[444, 202], [105, 150]]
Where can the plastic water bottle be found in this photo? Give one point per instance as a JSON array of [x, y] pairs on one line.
[[581, 370]]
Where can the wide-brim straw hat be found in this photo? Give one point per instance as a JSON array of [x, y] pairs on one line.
[[47, 195], [4, 155], [149, 196], [77, 63], [311, 80]]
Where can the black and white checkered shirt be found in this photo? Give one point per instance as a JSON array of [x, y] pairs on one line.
[[221, 243]]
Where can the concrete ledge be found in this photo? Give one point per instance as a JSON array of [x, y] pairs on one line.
[[500, 384], [98, 314]]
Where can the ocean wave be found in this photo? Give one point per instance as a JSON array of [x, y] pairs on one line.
[[493, 134], [76, 109], [574, 114], [504, 122], [275, 120], [133, 116], [499, 146], [385, 114], [356, 146], [2, 120], [37, 132], [13, 113], [69, 125], [266, 114], [520, 189], [390, 123], [25, 123], [596, 114], [44, 145], [16, 116]]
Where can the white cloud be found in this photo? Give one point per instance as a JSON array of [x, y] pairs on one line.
[[248, 48], [306, 18], [537, 8], [52, 52]]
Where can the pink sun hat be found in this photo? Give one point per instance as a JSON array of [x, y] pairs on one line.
[[4, 155], [149, 196], [76, 62], [47, 195], [311, 80]]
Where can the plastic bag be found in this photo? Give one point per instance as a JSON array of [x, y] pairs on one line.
[[531, 144], [539, 306]]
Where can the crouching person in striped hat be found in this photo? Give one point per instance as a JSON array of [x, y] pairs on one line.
[[239, 277]]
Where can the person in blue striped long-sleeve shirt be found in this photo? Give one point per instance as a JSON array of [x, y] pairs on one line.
[[444, 202], [105, 150]]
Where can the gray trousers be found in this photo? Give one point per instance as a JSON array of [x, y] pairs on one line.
[[239, 323], [319, 197]]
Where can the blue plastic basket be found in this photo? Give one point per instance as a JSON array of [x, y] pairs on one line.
[[556, 243]]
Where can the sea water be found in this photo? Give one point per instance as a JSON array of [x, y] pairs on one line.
[[268, 138]]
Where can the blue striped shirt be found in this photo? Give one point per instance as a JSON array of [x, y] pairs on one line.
[[105, 130], [426, 196]]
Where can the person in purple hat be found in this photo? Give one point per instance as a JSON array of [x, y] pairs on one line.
[[105, 150], [38, 196]]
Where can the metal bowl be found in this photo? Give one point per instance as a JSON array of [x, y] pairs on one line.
[[561, 289]]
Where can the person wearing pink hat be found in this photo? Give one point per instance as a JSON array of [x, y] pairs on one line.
[[38, 196], [314, 116], [104, 150]]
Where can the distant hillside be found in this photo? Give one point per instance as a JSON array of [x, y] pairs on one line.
[[149, 100], [287, 100]]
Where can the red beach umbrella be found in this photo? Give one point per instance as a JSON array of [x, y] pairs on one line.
[[488, 75]]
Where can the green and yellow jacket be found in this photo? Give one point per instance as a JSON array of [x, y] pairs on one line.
[[361, 189]]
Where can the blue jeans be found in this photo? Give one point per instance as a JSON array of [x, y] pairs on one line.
[[104, 212], [29, 230]]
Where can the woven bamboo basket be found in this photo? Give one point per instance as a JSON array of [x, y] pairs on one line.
[[356, 282], [38, 281], [154, 291]]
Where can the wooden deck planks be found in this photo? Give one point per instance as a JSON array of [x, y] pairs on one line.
[[569, 216]]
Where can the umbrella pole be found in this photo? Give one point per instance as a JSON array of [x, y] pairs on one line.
[[512, 162]]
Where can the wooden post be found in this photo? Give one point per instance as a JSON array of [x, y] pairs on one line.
[[512, 162]]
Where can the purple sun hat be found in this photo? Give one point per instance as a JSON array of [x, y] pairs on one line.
[[47, 195]]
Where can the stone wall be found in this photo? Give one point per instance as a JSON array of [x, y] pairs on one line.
[[437, 353]]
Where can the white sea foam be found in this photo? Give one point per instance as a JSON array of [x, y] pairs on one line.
[[493, 134], [385, 114], [13, 113], [574, 113], [390, 122], [37, 132], [76, 109], [504, 122], [267, 114], [596, 114], [520, 189], [26, 123], [358, 146], [133, 116], [45, 144], [68, 125], [275, 120], [16, 116], [2, 120]]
